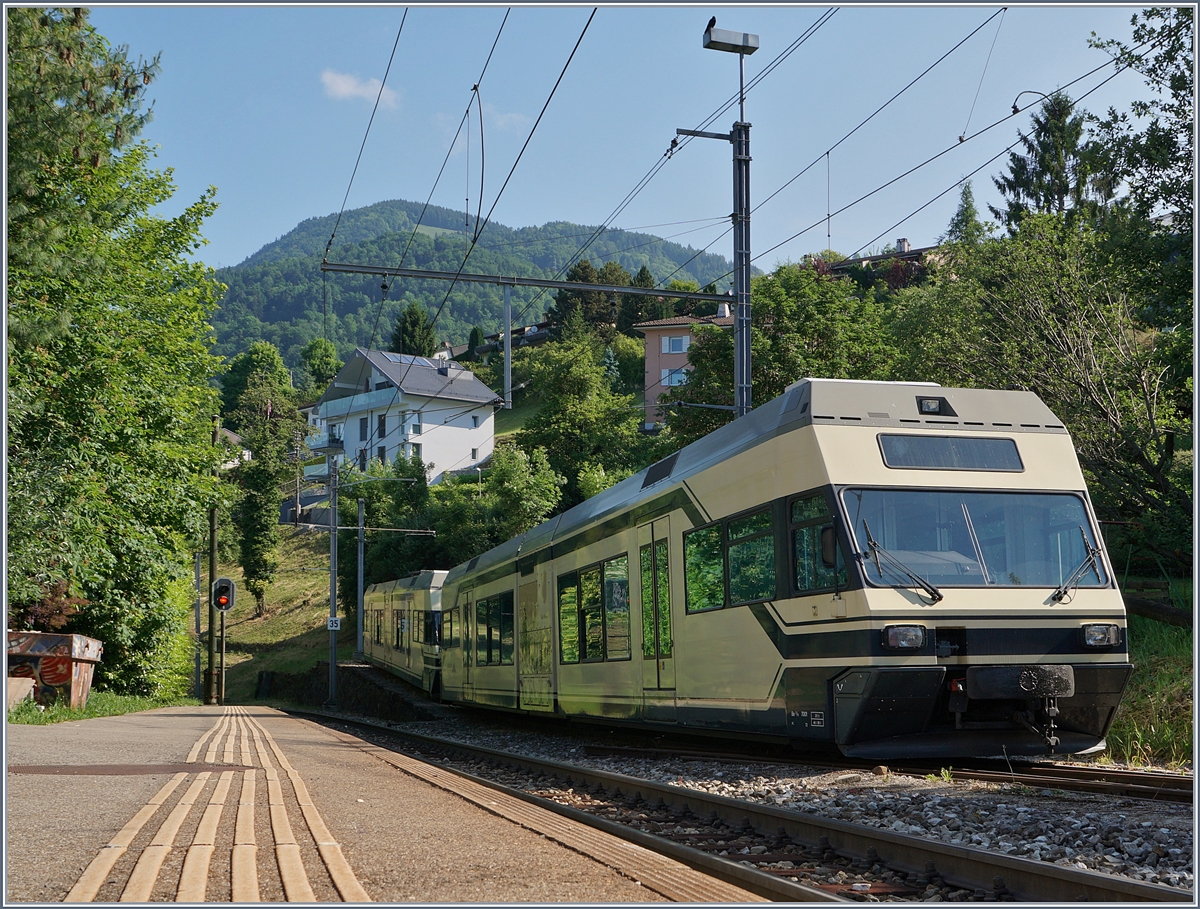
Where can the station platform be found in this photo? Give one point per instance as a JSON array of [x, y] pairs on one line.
[[248, 804]]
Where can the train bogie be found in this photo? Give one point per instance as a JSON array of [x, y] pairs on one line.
[[890, 569]]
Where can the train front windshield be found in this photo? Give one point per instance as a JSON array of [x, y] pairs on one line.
[[974, 539]]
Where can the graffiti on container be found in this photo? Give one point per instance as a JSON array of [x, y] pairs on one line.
[[60, 665]]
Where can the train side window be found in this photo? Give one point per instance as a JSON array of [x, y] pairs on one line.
[[751, 558], [591, 611], [703, 569], [647, 562], [616, 609], [448, 624], [493, 630], [810, 518], [568, 618], [397, 629], [504, 655], [481, 631], [378, 626], [664, 598]]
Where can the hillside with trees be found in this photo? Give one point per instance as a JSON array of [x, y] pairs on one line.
[[280, 295]]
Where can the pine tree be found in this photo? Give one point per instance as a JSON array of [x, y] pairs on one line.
[[414, 333], [1054, 173]]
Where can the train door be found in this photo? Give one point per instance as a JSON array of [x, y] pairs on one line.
[[658, 663], [535, 650]]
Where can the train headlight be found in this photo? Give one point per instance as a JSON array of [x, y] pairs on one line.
[[1101, 635], [904, 637]]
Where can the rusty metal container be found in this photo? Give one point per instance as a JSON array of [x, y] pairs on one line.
[[60, 665]]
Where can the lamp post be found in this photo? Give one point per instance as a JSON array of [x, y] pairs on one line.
[[742, 44]]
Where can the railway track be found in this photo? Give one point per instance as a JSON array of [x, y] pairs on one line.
[[768, 849], [1156, 786]]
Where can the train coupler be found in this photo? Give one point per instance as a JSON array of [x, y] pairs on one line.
[[1050, 708]]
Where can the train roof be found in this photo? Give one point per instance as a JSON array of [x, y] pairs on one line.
[[830, 402], [422, 580]]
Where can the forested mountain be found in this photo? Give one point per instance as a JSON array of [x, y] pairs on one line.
[[280, 295]]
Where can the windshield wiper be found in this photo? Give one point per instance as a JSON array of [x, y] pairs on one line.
[[1089, 561], [896, 565]]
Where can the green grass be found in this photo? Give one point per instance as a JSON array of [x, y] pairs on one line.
[[100, 703], [1154, 721], [509, 421]]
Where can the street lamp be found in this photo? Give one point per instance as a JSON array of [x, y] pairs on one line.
[[742, 44]]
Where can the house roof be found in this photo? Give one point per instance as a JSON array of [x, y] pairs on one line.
[[686, 321], [420, 376]]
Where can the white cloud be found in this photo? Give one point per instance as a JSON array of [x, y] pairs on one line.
[[342, 85], [504, 121]]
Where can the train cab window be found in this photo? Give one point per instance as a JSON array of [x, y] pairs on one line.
[[703, 569], [751, 558], [397, 629], [593, 613], [811, 526]]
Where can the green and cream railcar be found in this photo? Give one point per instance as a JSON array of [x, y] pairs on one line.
[[889, 568], [403, 628]]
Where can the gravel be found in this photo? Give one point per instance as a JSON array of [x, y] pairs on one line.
[[1139, 839]]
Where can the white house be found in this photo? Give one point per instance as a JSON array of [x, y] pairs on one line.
[[385, 404]]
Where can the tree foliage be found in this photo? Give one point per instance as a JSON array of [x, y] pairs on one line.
[[805, 325], [580, 420], [320, 363], [1055, 172], [517, 491], [109, 368], [273, 431], [413, 333]]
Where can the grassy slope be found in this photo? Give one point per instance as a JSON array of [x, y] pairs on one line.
[[1154, 722], [291, 636]]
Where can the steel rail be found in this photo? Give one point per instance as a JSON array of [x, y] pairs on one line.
[[961, 866], [1162, 787]]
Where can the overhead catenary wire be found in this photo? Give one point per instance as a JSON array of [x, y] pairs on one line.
[[421, 217], [950, 148], [495, 202], [677, 144], [825, 155]]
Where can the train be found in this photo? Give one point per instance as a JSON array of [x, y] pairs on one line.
[[886, 569]]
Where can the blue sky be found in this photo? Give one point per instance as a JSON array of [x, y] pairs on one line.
[[270, 105]]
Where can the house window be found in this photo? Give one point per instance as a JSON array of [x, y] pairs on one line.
[[381, 430], [474, 454], [672, 377], [362, 429], [416, 427], [474, 422], [676, 345], [416, 452], [382, 454], [362, 459]]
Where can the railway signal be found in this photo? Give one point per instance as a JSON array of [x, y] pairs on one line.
[[224, 592]]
